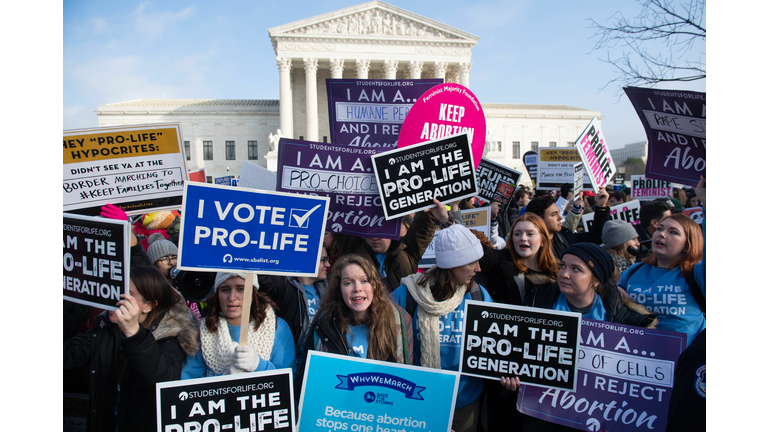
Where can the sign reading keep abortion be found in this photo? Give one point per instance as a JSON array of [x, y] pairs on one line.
[[237, 229]]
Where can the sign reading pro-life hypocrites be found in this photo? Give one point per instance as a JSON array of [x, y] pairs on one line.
[[246, 230], [256, 401], [646, 189], [675, 123], [556, 167], [369, 112], [489, 174], [593, 150], [538, 345], [137, 168], [409, 178], [343, 173], [96, 260]]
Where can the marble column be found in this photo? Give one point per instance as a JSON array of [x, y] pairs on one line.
[[414, 68], [286, 97], [464, 73], [310, 70], [337, 68], [362, 66], [440, 68], [390, 69]]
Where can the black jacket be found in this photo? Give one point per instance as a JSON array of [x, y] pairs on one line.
[[136, 364], [564, 239], [288, 293], [505, 283]]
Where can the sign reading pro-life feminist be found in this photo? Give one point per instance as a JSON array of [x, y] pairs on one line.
[[343, 173], [675, 123], [256, 401], [537, 345], [593, 151], [137, 168], [646, 189], [343, 393], [96, 260], [246, 230], [369, 112], [409, 178], [489, 174], [625, 381]]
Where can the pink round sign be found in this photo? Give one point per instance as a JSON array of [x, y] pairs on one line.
[[444, 110]]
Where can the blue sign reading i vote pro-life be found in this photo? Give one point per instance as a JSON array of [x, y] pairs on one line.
[[236, 229], [342, 393]]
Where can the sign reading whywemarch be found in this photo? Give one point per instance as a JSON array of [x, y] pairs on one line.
[[625, 381], [476, 219], [343, 173], [370, 112], [556, 167], [646, 189], [343, 393], [237, 229], [139, 168], [256, 401], [537, 345], [593, 150], [489, 174], [410, 177], [96, 260], [675, 123], [628, 212]]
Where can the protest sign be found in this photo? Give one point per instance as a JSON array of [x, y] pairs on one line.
[[256, 401], [138, 168], [537, 345], [235, 182], [75, 412], [593, 150], [628, 212], [224, 181], [556, 167], [409, 178], [625, 381], [531, 161], [343, 393], [369, 112], [96, 260], [253, 176], [245, 230], [343, 173], [646, 189], [578, 178], [618, 179], [489, 174], [503, 195], [695, 213], [675, 123], [477, 219], [197, 176], [445, 110]]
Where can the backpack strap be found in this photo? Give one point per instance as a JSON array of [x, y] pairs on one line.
[[475, 292], [633, 271]]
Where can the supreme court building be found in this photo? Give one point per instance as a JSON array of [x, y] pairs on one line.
[[373, 40]]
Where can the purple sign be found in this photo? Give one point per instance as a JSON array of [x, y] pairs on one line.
[[346, 176], [369, 112], [624, 381], [675, 123]]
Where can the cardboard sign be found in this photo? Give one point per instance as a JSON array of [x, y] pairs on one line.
[[408, 178], [675, 123], [369, 112], [445, 110], [140, 169], [197, 176], [477, 219], [594, 152], [224, 181], [628, 212], [531, 161], [245, 230], [253, 176], [343, 173], [96, 260], [625, 381], [256, 401], [578, 178], [695, 213], [538, 345], [489, 174], [556, 167], [646, 189], [343, 393]]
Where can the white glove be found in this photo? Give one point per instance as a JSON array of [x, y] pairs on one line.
[[246, 358]]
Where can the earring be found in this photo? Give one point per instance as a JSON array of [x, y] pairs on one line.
[[144, 311]]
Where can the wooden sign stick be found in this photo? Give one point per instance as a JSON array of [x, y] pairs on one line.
[[245, 318]]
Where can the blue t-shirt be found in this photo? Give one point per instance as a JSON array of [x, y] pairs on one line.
[[451, 324], [597, 312], [313, 300], [380, 258], [357, 340]]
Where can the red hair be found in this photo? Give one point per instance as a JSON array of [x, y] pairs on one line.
[[694, 245], [544, 257]]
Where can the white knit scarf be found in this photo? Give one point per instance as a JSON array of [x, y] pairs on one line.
[[219, 348], [430, 311]]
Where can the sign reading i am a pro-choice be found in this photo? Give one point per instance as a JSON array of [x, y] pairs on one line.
[[343, 393], [237, 229]]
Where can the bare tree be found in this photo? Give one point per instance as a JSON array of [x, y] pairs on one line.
[[663, 43]]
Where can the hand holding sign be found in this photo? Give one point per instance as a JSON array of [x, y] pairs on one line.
[[246, 358], [127, 315], [601, 199], [510, 383]]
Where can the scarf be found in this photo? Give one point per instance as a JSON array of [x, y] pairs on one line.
[[402, 357], [219, 348], [430, 311]]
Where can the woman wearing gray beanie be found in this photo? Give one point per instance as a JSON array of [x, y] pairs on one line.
[[618, 237]]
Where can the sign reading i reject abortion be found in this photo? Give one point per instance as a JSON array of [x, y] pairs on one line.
[[236, 229]]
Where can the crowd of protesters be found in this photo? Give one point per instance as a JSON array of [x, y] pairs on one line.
[[371, 300]]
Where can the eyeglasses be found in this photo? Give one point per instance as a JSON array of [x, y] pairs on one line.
[[166, 260], [324, 260]]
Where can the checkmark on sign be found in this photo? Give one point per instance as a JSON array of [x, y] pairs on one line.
[[298, 220]]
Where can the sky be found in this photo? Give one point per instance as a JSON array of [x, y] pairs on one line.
[[529, 52]]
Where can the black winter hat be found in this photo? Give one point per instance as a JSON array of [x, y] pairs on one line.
[[596, 258]]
